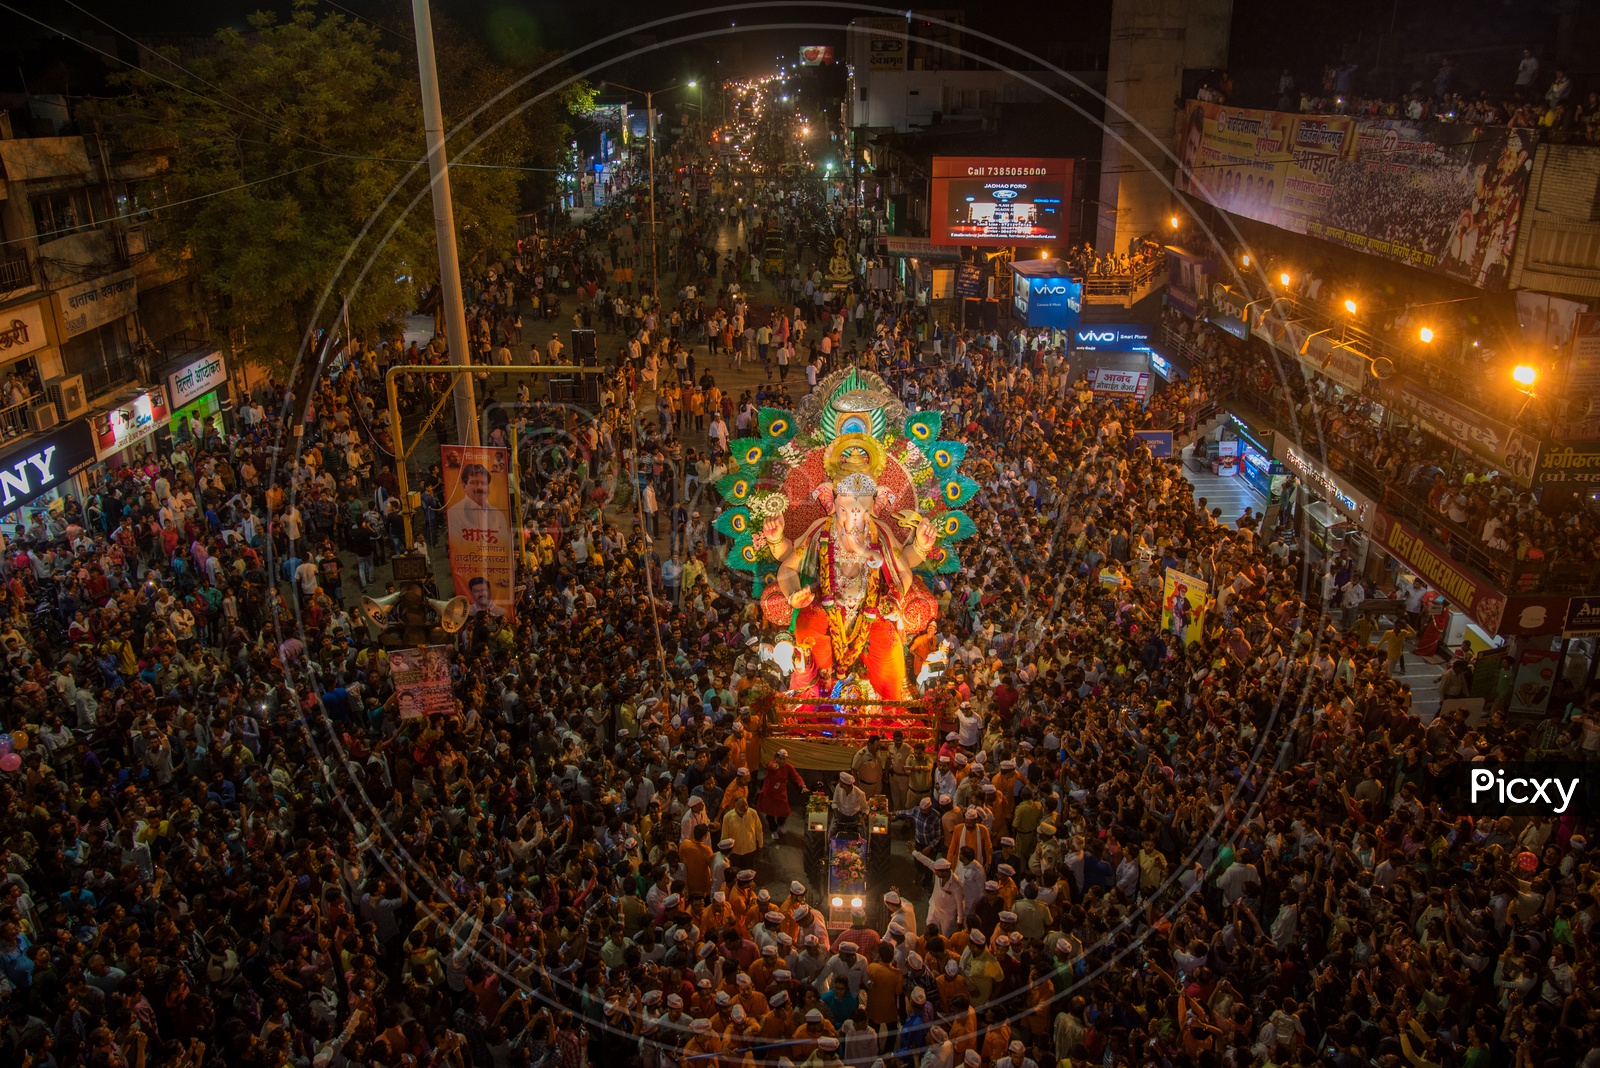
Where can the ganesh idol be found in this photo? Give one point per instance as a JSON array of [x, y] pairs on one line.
[[843, 512], [846, 574]]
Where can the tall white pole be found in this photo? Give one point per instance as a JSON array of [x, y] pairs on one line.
[[444, 224]]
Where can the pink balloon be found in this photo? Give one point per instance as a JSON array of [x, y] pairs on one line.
[[10, 762]]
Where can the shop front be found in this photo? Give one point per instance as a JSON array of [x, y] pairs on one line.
[[197, 392], [1257, 467], [1334, 512], [126, 433], [40, 471]]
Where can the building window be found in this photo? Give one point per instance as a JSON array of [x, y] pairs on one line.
[[63, 212]]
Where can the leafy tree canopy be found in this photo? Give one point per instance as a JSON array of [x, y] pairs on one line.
[[282, 144]]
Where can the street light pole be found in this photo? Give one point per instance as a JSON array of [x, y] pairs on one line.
[[650, 126], [444, 225], [655, 270]]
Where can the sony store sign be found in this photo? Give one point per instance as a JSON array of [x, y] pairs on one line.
[[41, 464]]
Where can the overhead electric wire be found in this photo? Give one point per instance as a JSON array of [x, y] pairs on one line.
[[49, 235]]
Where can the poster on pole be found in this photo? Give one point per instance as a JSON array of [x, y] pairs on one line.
[[477, 498], [422, 681], [1183, 599]]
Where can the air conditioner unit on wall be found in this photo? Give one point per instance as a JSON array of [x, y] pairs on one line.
[[43, 416], [71, 399]]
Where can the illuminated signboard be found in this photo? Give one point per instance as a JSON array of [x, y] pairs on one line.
[[1000, 201], [1314, 476], [1044, 295], [1111, 337]]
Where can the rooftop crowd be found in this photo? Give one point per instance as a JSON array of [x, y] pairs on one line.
[[223, 845]]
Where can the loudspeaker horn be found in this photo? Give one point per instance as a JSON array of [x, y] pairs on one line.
[[378, 609], [452, 613]]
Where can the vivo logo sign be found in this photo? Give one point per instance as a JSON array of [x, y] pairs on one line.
[[18, 483], [1086, 336], [1052, 291]]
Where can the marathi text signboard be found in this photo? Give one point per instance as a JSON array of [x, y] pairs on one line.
[[1477, 598], [1135, 384], [1511, 451], [477, 497], [1569, 463], [94, 304], [196, 379], [422, 681], [22, 331], [1444, 197]]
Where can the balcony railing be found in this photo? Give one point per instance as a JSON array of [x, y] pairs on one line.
[[1406, 500], [15, 272], [14, 418], [1125, 286]]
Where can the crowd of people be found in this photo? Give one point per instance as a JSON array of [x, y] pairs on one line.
[[1144, 256], [1225, 841]]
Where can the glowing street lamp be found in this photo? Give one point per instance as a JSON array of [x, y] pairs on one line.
[[1426, 334], [1173, 222], [1284, 278], [1350, 306], [1524, 375]]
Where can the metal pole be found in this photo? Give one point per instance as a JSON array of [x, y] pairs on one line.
[[655, 284], [463, 373], [444, 224]]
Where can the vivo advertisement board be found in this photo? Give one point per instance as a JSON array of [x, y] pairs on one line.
[[1111, 337], [1051, 302]]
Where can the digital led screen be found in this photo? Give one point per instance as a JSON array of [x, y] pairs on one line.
[[1000, 202]]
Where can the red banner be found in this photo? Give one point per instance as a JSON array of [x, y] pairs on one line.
[[477, 497], [1477, 598]]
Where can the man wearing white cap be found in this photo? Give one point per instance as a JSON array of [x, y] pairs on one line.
[[1016, 1057], [980, 968], [947, 907], [694, 817], [848, 800], [826, 1055], [973, 835], [847, 962], [743, 824], [902, 912]]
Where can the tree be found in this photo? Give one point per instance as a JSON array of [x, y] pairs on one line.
[[282, 145]]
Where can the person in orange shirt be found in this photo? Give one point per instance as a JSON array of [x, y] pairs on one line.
[[951, 986], [963, 1025], [739, 787], [996, 1037], [971, 833], [716, 915], [1005, 788], [776, 1026], [703, 1043], [738, 744], [814, 1027], [753, 1001], [883, 989], [696, 857]]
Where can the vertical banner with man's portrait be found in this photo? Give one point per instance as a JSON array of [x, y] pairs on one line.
[[477, 500], [1183, 599]]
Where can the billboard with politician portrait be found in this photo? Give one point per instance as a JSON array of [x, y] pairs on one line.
[[999, 201], [478, 524], [1443, 197]]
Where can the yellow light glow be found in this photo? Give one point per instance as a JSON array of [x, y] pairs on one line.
[[1425, 334], [1044, 254], [1173, 222], [1350, 306], [837, 902], [1245, 259], [855, 902], [1524, 375], [1284, 278]]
